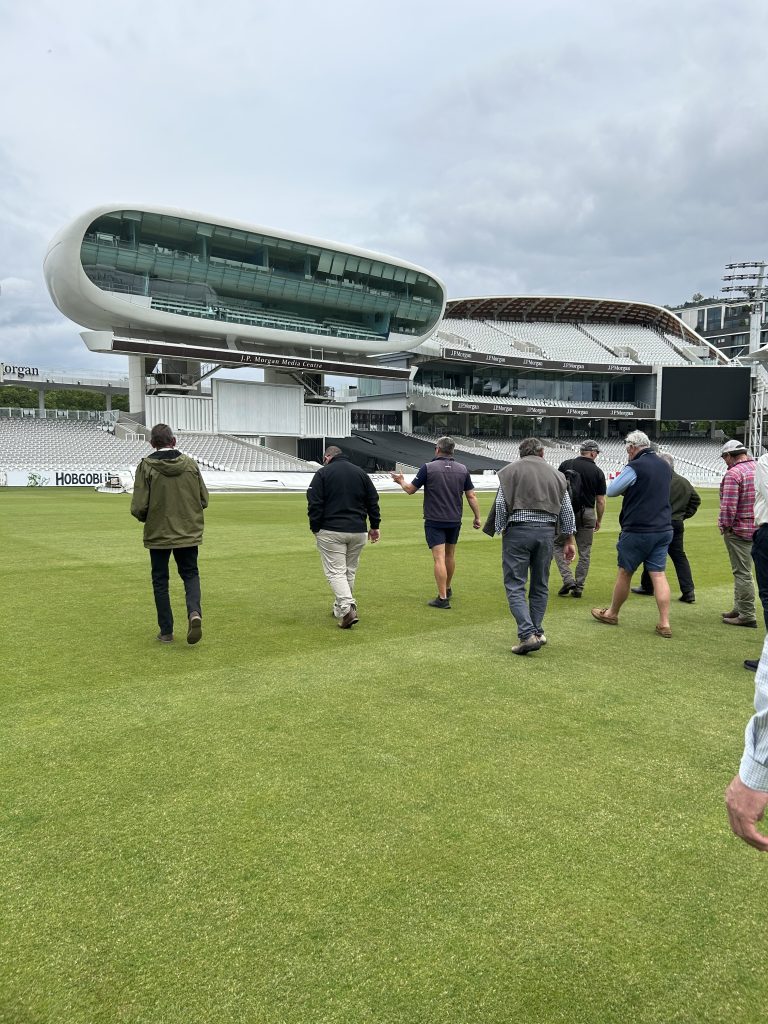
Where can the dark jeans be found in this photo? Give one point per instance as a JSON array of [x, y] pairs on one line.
[[760, 558], [678, 558], [186, 563], [526, 550]]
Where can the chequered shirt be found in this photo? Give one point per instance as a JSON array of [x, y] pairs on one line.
[[737, 500], [565, 521]]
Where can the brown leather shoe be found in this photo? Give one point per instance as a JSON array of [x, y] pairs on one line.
[[349, 619], [739, 620]]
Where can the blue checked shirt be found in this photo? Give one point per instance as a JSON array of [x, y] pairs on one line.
[[565, 521], [753, 770]]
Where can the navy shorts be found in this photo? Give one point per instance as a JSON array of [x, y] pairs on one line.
[[651, 548], [441, 533]]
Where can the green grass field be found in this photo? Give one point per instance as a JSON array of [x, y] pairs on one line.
[[402, 822]]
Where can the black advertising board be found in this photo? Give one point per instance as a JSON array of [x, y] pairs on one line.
[[705, 392], [462, 355], [231, 357]]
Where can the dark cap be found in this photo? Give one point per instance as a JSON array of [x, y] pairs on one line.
[[589, 446]]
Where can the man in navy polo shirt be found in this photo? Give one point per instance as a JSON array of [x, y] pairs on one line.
[[445, 482]]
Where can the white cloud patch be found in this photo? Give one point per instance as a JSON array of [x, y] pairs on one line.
[[602, 149]]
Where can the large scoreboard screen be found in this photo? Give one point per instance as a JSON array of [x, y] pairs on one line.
[[705, 392]]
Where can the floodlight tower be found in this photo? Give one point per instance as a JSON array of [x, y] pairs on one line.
[[752, 288]]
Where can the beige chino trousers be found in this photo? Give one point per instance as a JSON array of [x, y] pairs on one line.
[[340, 554]]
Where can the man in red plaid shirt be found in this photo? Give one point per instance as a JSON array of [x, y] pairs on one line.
[[736, 522]]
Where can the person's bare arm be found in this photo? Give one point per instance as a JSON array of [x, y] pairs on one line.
[[599, 510], [473, 504], [400, 479]]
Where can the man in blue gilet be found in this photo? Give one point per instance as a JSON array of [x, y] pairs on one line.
[[646, 528]]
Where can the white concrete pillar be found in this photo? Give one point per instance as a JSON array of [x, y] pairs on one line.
[[136, 384]]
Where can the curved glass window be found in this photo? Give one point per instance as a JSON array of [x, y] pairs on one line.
[[218, 273]]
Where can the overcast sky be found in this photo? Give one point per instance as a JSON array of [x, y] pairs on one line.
[[550, 147]]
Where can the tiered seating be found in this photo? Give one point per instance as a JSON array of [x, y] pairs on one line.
[[555, 340], [225, 452], [32, 443], [549, 403], [584, 342], [650, 346]]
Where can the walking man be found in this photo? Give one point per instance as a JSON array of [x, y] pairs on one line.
[[532, 506], [169, 497], [685, 502], [445, 482], [588, 500], [646, 528], [736, 522], [341, 503]]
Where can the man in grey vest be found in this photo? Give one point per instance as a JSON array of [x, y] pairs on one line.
[[445, 482], [532, 506]]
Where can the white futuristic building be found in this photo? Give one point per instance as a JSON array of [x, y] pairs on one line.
[[159, 283]]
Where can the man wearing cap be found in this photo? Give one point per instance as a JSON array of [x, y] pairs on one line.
[[588, 501], [685, 502], [646, 528], [736, 523]]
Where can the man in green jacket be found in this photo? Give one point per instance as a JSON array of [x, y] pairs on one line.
[[169, 497], [684, 501]]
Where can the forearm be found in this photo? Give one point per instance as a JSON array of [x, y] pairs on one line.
[[600, 507]]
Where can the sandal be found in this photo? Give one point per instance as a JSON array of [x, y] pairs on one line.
[[601, 614], [664, 631]]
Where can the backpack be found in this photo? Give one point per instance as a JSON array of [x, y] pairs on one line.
[[575, 489]]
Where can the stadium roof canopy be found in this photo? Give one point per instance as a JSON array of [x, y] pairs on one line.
[[570, 309]]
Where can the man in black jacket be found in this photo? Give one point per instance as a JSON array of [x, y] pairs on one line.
[[341, 504]]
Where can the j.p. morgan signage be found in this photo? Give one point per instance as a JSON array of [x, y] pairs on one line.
[[19, 372], [575, 411], [462, 355]]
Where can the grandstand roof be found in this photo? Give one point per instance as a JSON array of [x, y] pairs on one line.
[[570, 308]]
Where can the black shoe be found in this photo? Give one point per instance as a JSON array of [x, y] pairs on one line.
[[577, 592], [642, 591], [449, 592], [751, 665], [195, 631], [566, 589], [439, 602], [688, 598], [532, 643]]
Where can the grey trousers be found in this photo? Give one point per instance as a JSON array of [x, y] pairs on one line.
[[585, 532], [526, 554], [340, 554], [740, 553]]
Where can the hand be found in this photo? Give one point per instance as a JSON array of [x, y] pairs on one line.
[[398, 478], [745, 808], [373, 535], [597, 525], [569, 551], [476, 523]]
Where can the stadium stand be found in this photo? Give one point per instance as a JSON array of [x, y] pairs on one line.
[[30, 442], [587, 342], [33, 443]]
